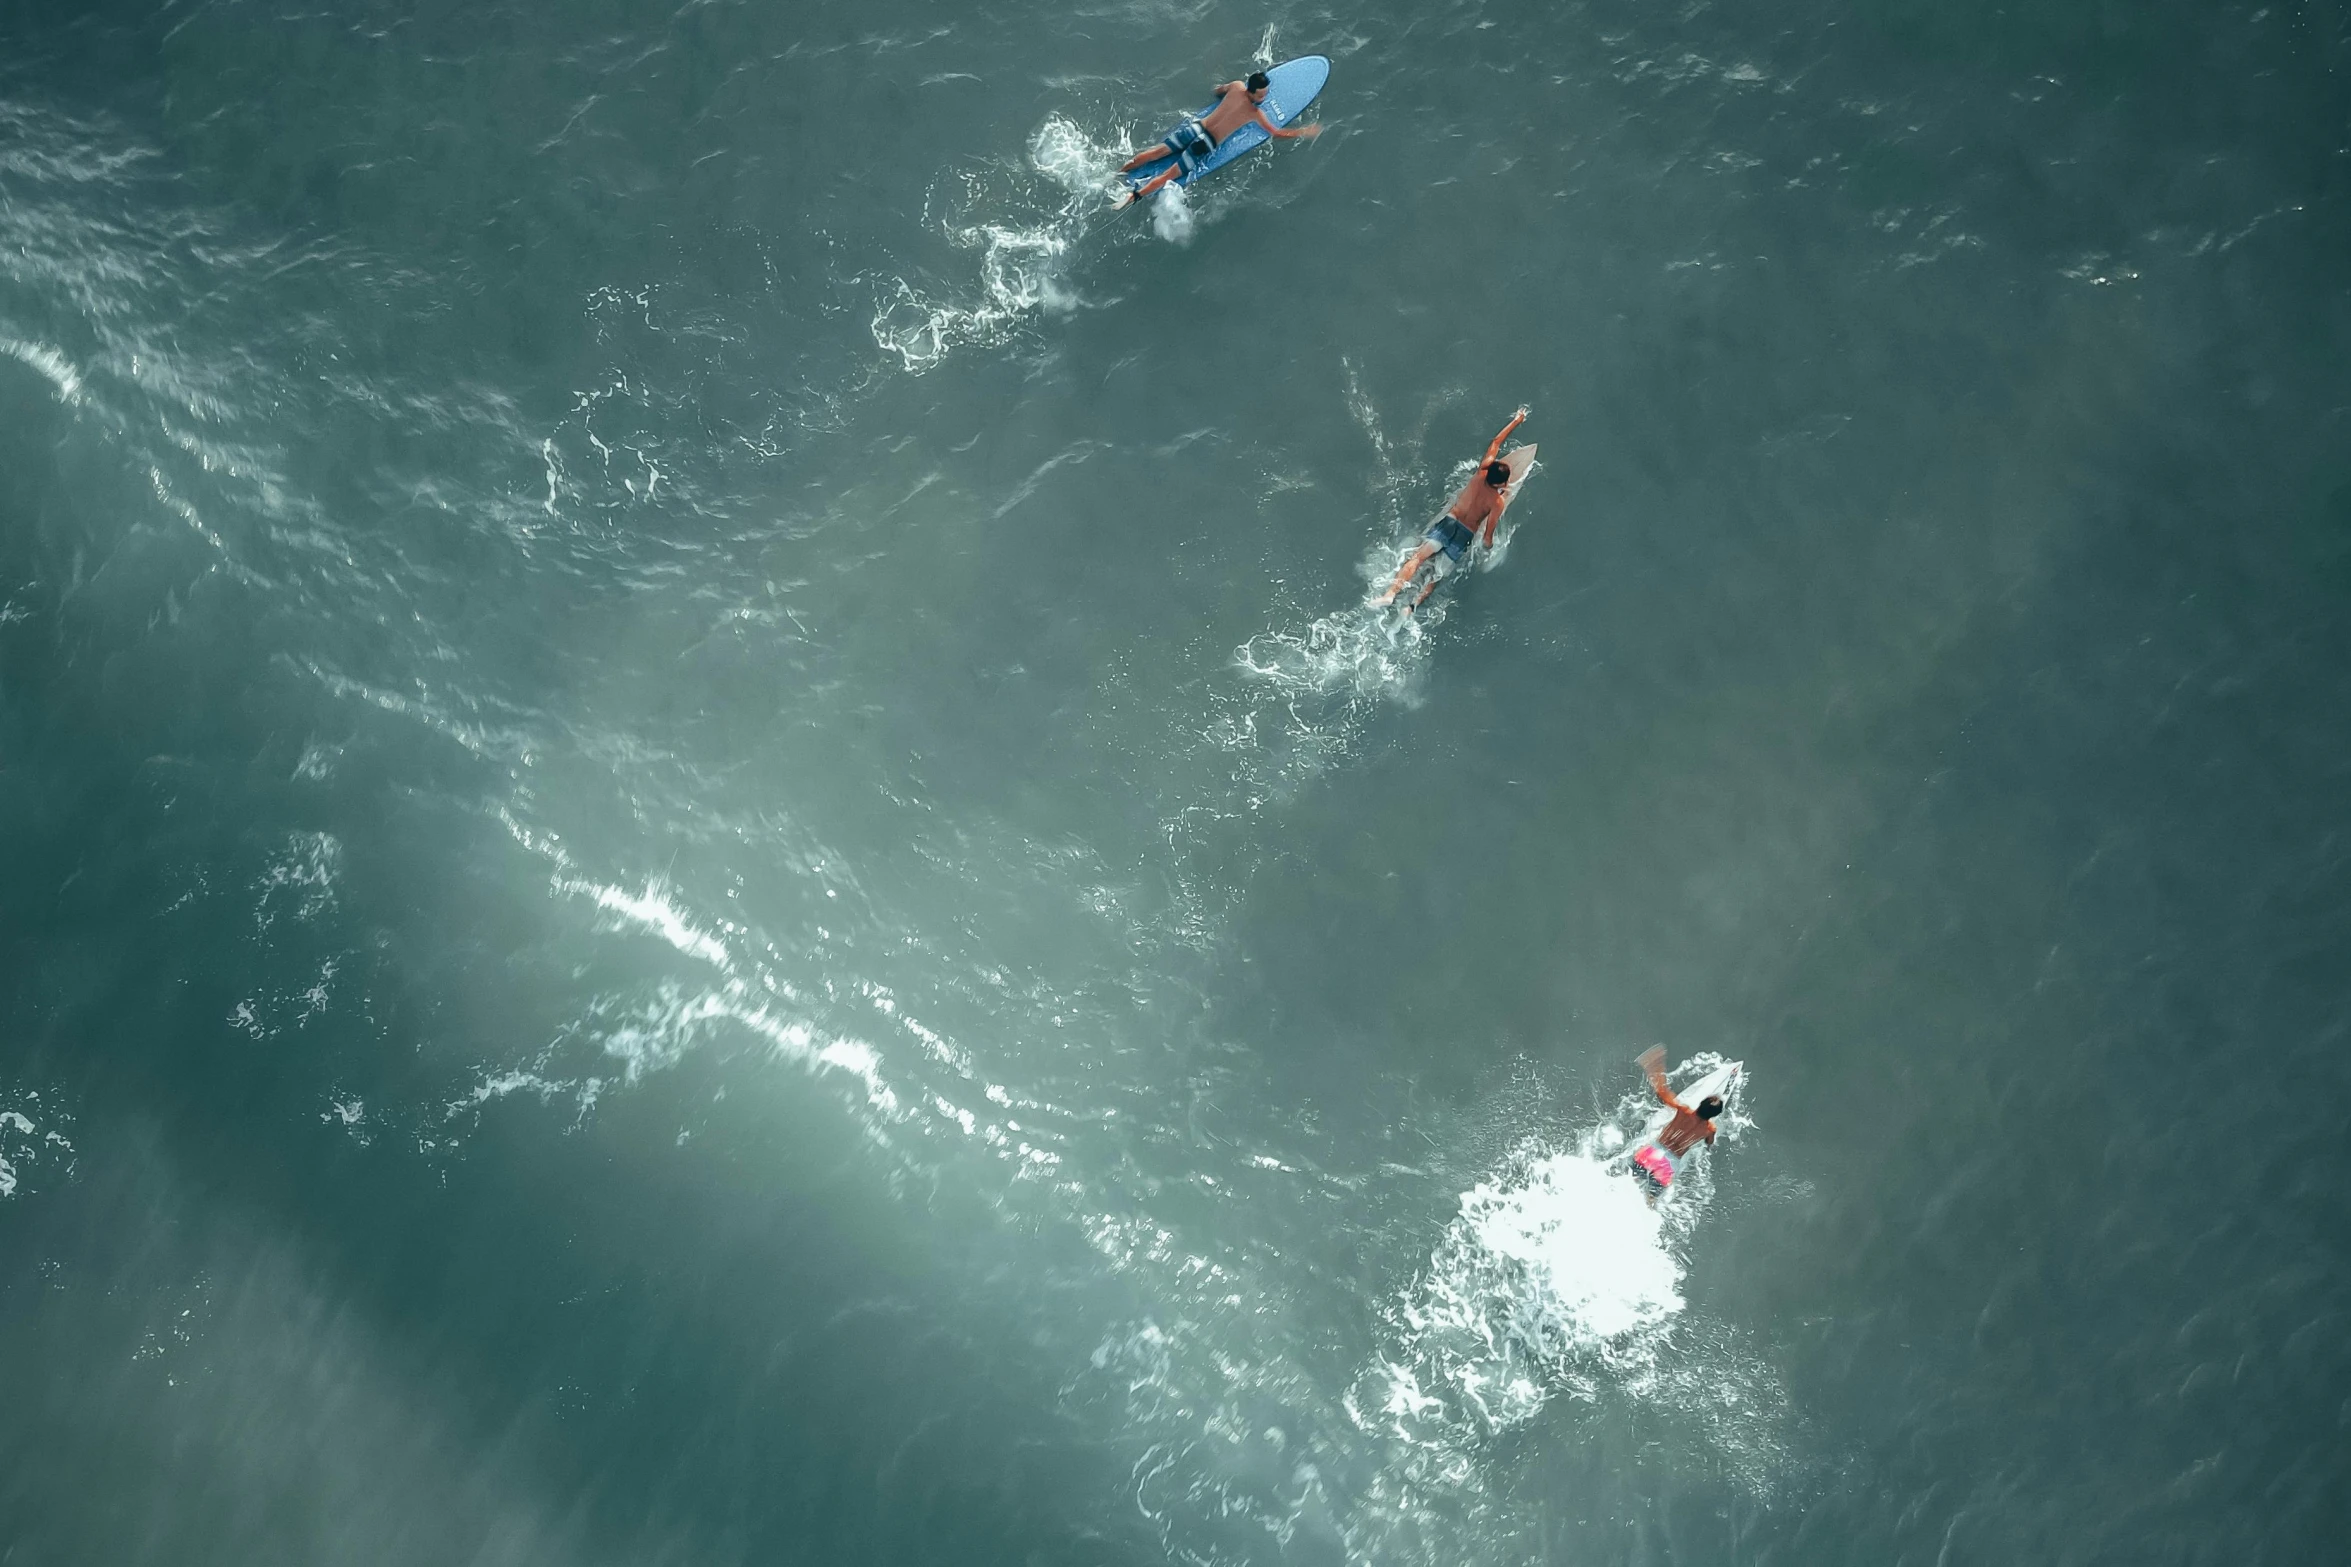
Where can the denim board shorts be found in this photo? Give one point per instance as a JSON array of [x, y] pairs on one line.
[[1450, 534]]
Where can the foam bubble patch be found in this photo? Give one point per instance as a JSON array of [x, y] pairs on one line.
[[1172, 218], [1589, 1250]]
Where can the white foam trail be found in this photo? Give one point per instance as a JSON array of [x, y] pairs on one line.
[[1307, 694], [1324, 678], [1022, 265], [1359, 652]]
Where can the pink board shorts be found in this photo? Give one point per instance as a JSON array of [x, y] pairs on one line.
[[1654, 1168]]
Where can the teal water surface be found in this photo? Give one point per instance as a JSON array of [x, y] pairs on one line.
[[704, 859]]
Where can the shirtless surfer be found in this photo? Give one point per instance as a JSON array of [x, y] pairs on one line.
[[1237, 103], [1477, 507], [1657, 1161]]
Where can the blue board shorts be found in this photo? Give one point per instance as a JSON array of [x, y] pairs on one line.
[[1189, 144], [1450, 534]]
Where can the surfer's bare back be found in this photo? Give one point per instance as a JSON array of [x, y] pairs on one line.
[[1476, 508], [1237, 103], [1657, 1161]]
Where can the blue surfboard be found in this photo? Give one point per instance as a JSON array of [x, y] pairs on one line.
[[1290, 87]]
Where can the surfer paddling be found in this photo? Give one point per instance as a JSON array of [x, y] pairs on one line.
[[1656, 1162], [1189, 144], [1476, 509]]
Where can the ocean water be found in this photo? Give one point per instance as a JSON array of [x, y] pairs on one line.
[[705, 859]]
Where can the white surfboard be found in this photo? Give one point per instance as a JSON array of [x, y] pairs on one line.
[[1722, 1080], [1521, 460]]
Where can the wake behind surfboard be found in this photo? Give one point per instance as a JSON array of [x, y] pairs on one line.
[[1291, 87]]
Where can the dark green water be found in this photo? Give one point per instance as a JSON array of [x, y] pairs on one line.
[[702, 861]]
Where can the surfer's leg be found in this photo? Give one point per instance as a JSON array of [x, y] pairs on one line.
[[1141, 192], [1442, 564], [1187, 143], [1412, 563]]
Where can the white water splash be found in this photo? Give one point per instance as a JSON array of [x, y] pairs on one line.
[[1560, 1262], [1556, 1277], [1172, 218]]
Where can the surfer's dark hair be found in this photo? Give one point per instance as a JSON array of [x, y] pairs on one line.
[[1258, 81], [1709, 1107], [1497, 474]]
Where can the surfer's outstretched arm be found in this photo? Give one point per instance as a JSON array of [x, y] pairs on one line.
[[1494, 517], [1272, 129], [1653, 1058], [1494, 447]]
